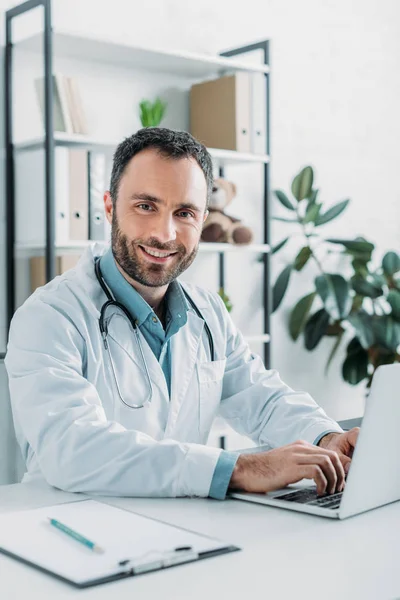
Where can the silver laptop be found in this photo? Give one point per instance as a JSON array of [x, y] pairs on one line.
[[374, 475]]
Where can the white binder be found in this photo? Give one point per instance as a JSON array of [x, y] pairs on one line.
[[258, 113], [132, 544]]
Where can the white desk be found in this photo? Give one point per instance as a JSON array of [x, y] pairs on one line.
[[286, 555]]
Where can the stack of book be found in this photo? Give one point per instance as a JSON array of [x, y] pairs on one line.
[[68, 113], [231, 112]]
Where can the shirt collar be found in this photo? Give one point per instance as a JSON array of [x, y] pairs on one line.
[[125, 293]]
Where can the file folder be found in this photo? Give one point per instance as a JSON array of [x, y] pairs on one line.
[[132, 544], [258, 118], [220, 112], [30, 190], [97, 167], [78, 195]]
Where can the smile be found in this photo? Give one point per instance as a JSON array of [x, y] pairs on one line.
[[156, 253]]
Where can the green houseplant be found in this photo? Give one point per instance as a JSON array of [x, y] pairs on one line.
[[152, 113], [365, 303]]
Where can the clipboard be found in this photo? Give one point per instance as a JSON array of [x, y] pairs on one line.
[[133, 544]]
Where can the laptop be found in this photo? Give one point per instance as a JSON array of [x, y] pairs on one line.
[[374, 475]]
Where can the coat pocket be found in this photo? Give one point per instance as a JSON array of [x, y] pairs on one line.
[[211, 375]]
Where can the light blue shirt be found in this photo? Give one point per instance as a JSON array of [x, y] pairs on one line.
[[159, 341]]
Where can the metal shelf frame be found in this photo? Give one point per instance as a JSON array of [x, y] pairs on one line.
[[267, 291], [49, 143]]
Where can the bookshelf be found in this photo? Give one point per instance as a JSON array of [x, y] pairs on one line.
[[220, 156], [116, 53]]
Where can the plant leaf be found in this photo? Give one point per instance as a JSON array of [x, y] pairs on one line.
[[299, 315], [354, 245], [279, 246], [362, 287], [280, 287], [312, 198], [334, 350], [360, 267], [362, 323], [354, 346], [393, 298], [391, 263], [302, 184], [334, 291], [387, 332], [332, 213], [312, 213], [302, 258], [283, 199], [315, 328], [355, 366]]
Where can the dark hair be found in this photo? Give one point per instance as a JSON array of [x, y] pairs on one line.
[[171, 144]]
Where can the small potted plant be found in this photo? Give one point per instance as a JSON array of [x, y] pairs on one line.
[[152, 113]]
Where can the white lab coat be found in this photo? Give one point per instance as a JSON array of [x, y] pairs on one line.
[[75, 432]]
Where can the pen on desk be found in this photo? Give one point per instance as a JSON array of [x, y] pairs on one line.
[[76, 536]]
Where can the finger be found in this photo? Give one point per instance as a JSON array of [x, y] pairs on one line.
[[346, 462], [315, 472], [339, 468], [324, 462], [312, 450]]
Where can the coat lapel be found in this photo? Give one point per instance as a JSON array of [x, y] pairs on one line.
[[184, 353]]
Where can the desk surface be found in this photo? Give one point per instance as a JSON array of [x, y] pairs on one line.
[[285, 555]]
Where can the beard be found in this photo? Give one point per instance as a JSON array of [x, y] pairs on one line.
[[129, 256]]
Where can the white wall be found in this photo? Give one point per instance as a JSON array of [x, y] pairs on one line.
[[335, 88]]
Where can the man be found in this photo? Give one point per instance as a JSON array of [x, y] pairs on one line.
[[119, 400]]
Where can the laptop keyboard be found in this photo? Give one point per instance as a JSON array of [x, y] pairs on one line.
[[309, 496]]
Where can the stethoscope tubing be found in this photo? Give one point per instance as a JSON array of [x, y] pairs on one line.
[[104, 332]]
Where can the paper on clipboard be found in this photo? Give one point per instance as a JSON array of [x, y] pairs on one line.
[[131, 542]]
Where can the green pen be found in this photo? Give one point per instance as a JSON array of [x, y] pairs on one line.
[[76, 536]]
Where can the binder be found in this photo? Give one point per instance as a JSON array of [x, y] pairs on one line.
[[30, 196], [258, 114], [97, 166], [78, 195], [220, 112], [62, 195], [133, 544], [38, 268]]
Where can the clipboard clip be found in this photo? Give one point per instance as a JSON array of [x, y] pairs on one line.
[[155, 560]]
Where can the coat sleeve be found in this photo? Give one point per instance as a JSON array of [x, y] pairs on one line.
[[256, 403], [59, 414]]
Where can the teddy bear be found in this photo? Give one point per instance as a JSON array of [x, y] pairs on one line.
[[220, 227]]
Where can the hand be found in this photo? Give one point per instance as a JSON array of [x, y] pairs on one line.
[[267, 471], [343, 444]]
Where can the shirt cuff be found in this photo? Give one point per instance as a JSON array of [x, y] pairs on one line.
[[222, 474], [321, 435]]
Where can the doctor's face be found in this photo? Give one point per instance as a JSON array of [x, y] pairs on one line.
[[158, 217]]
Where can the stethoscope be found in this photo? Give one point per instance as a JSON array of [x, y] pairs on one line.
[[134, 324]]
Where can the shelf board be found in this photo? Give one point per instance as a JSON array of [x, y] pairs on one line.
[[117, 52], [214, 247], [32, 249], [80, 141], [27, 250]]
